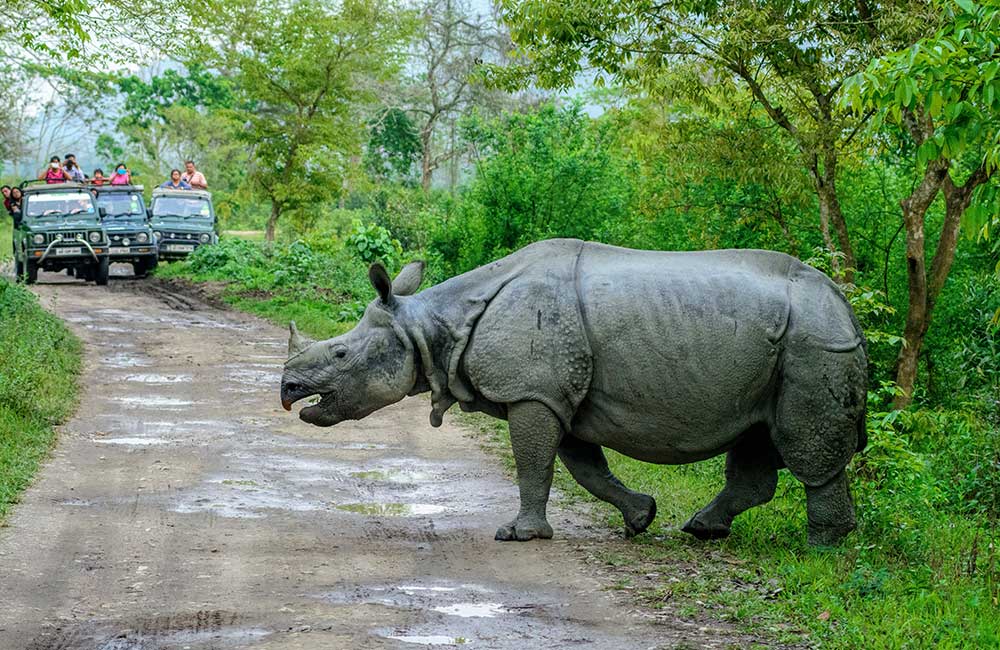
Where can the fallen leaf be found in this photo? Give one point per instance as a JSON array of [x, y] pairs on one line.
[[824, 616]]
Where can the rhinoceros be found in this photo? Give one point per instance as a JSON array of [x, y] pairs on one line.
[[666, 357]]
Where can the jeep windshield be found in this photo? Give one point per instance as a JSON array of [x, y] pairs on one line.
[[182, 207], [58, 204], [120, 204]]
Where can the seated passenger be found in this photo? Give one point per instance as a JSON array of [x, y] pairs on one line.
[[175, 182], [98, 178], [5, 190], [16, 198], [122, 175], [54, 173], [75, 173]]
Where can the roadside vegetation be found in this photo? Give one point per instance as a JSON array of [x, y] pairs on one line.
[[38, 374], [861, 138]]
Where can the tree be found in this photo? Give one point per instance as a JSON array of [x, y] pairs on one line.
[[940, 98], [393, 145], [793, 57], [451, 43], [303, 72]]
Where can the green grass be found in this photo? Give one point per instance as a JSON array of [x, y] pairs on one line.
[[6, 232], [935, 585], [38, 386]]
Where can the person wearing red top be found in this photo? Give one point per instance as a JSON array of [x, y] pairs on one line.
[[54, 173], [98, 178]]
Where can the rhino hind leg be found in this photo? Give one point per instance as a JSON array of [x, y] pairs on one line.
[[751, 479], [535, 433], [586, 462]]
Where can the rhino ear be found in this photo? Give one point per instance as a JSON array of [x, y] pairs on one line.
[[296, 342], [409, 279], [380, 280]]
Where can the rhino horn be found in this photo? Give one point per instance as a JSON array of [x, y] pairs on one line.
[[296, 342]]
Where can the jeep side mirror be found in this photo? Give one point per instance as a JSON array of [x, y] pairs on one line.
[[149, 213], [103, 212]]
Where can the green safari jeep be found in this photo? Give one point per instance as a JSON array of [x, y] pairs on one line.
[[60, 229], [123, 213], [183, 220]]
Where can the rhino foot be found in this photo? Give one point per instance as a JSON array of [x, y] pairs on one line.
[[639, 520], [522, 529], [704, 528]]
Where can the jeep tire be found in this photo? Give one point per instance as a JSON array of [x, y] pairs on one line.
[[140, 269], [101, 271], [30, 272]]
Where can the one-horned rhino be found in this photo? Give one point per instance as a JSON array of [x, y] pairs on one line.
[[665, 357]]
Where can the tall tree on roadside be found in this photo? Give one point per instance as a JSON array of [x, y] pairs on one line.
[[452, 41], [792, 56], [939, 98], [304, 72]]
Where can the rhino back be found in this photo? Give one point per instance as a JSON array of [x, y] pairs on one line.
[[685, 347]]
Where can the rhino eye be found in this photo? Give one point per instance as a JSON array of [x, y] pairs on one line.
[[340, 354]]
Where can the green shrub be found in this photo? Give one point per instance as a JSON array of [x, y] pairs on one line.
[[373, 243]]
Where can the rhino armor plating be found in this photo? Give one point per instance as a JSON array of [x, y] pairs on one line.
[[665, 357]]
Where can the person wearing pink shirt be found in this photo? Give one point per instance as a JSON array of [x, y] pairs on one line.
[[193, 177], [121, 175]]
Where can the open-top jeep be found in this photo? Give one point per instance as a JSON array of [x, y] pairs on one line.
[[183, 220], [60, 228], [123, 212]]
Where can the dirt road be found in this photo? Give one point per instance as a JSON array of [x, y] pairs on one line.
[[183, 509]]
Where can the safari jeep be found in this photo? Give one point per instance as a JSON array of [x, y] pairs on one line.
[[183, 220], [123, 212], [60, 229]]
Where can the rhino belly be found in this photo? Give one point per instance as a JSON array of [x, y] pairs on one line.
[[684, 359]]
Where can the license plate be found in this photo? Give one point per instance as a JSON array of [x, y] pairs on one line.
[[118, 250], [180, 248], [76, 250]]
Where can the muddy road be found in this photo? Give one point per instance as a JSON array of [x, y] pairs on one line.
[[183, 509]]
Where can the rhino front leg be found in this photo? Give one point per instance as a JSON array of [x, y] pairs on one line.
[[534, 436], [586, 462]]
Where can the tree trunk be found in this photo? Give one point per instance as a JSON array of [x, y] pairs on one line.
[[272, 221], [426, 163], [830, 215], [914, 209]]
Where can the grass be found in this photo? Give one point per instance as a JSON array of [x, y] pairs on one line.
[[6, 232], [38, 386], [874, 591]]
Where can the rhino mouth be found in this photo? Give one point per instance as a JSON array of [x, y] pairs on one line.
[[317, 412], [319, 409]]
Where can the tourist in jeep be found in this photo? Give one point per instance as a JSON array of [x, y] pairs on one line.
[[73, 170], [122, 175], [193, 177], [54, 173], [98, 179], [176, 182]]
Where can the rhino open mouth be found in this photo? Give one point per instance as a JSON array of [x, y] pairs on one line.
[[317, 413]]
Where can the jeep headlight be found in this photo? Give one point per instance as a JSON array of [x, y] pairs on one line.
[[158, 235], [38, 239], [205, 238], [142, 238], [94, 236]]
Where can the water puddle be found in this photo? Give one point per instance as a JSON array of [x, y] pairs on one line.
[[188, 640], [154, 401], [138, 442], [391, 476], [431, 639], [150, 378], [472, 610], [391, 509], [109, 329], [125, 360], [254, 376]]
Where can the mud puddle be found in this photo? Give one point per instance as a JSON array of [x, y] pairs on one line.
[[153, 378]]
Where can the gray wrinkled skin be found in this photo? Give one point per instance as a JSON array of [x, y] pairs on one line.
[[665, 357]]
